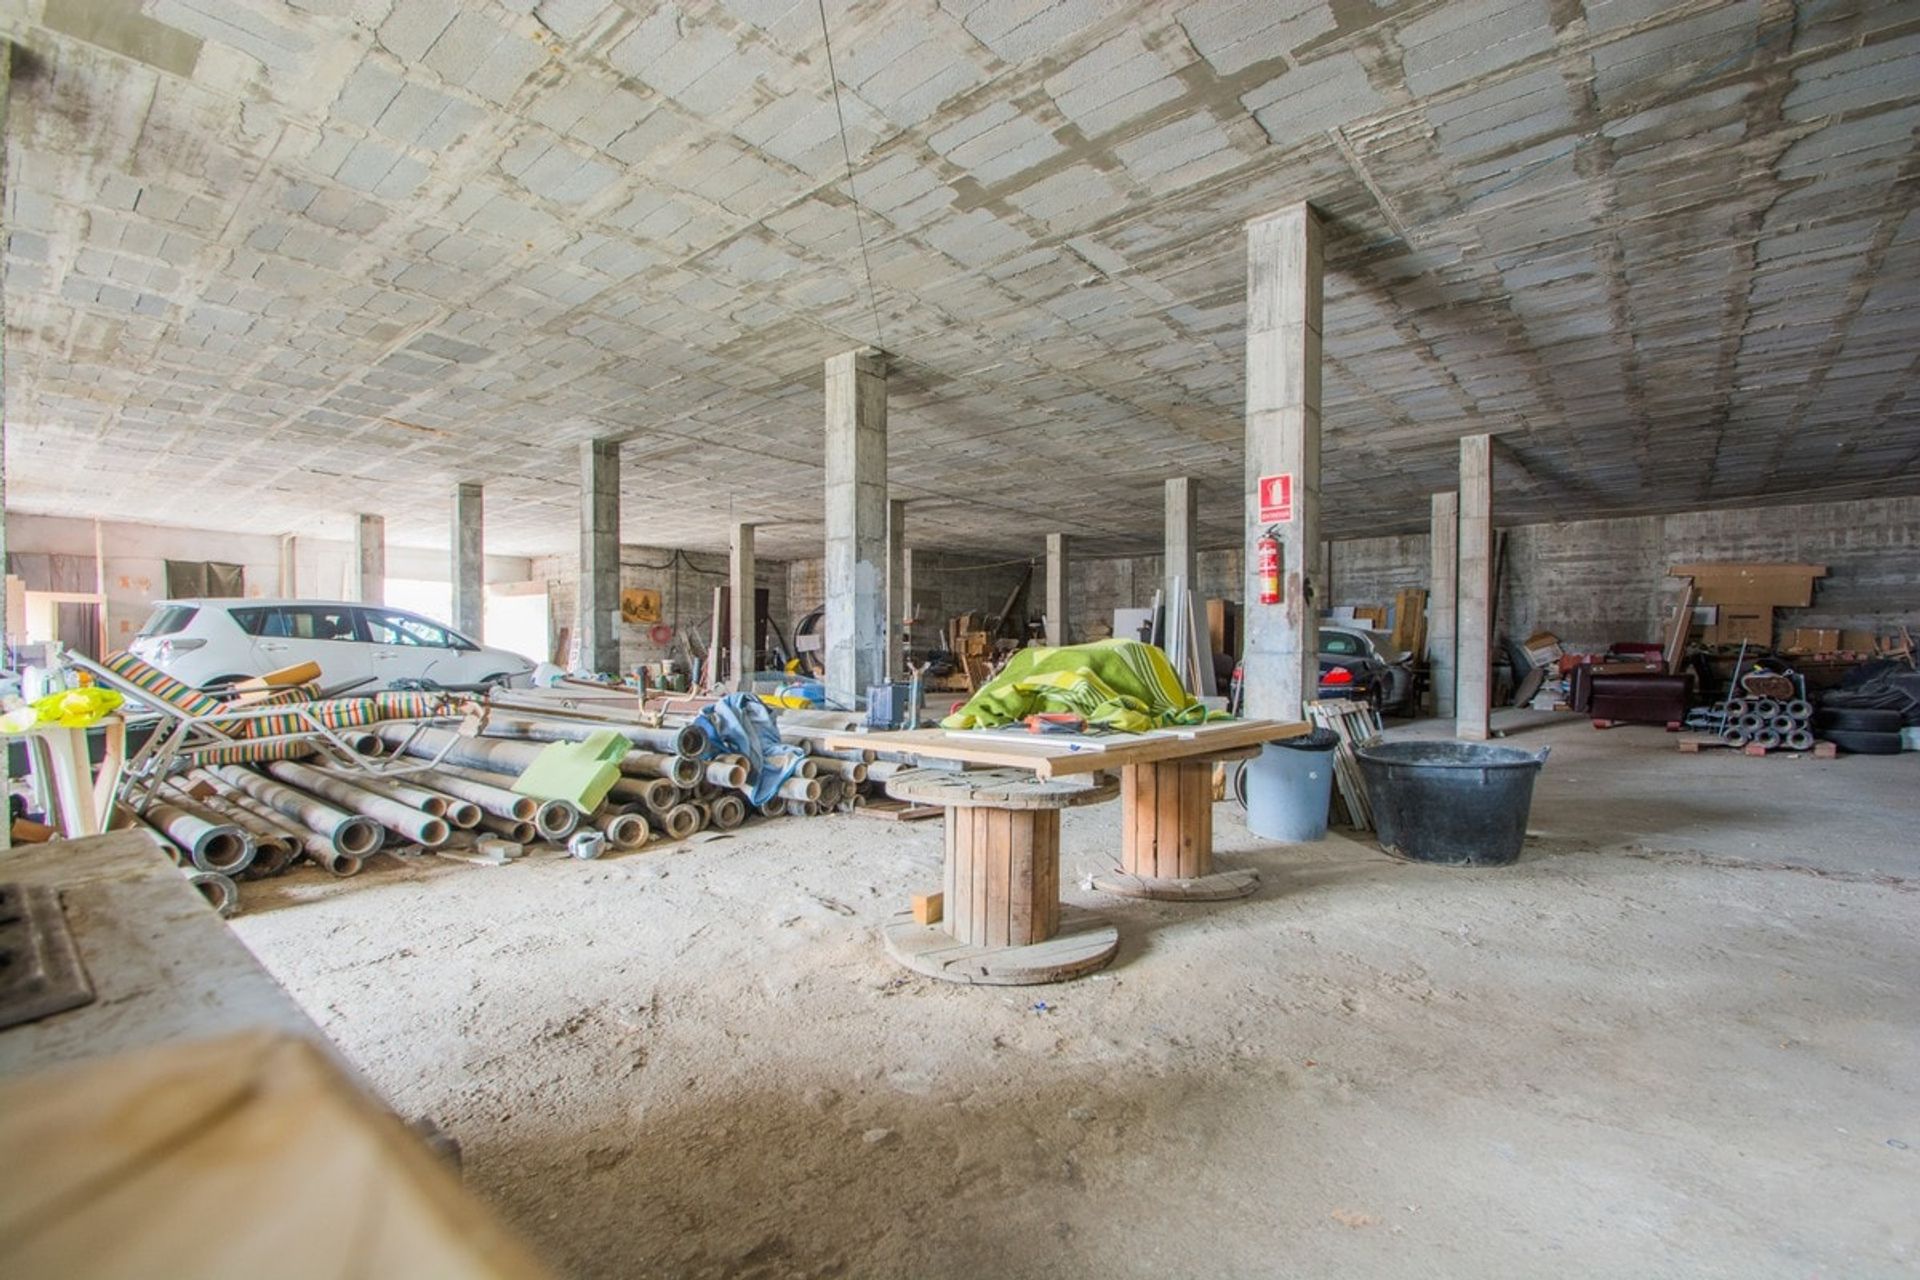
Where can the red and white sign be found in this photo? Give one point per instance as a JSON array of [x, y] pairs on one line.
[[1276, 498]]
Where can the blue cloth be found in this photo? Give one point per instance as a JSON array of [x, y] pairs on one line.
[[742, 725]]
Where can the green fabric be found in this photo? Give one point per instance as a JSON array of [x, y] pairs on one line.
[[1118, 684]]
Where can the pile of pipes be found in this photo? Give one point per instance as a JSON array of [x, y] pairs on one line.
[[1768, 722], [226, 823]]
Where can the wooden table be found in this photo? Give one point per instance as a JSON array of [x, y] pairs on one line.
[[1002, 922], [1166, 787]]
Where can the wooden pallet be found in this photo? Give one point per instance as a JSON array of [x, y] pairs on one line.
[[1819, 750]]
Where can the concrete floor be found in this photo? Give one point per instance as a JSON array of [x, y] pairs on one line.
[[1678, 1038]]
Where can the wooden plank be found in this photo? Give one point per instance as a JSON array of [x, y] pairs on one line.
[[952, 887], [1046, 891], [98, 1164], [1682, 624], [927, 907], [1007, 829], [1196, 845], [1055, 761]]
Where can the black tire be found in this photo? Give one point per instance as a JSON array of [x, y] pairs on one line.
[[1860, 743], [1859, 719]]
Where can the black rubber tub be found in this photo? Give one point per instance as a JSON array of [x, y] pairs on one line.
[[1456, 804]]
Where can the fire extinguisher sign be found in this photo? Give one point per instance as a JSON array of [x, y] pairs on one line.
[[1276, 498]]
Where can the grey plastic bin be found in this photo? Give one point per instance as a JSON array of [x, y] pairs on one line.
[[1288, 786]]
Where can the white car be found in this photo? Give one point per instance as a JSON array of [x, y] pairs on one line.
[[211, 643]]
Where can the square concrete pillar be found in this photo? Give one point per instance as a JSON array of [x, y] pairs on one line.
[[856, 621], [1057, 551], [597, 610], [469, 562], [1178, 562], [1282, 641], [370, 559], [289, 566], [1443, 543], [743, 622], [898, 603], [1473, 683]]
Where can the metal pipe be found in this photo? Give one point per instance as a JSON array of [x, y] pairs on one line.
[[518, 831], [348, 834], [397, 790], [221, 893], [851, 770], [802, 789], [624, 831], [402, 820], [556, 819], [729, 811], [316, 846], [679, 822], [729, 774], [487, 797], [210, 846], [273, 850]]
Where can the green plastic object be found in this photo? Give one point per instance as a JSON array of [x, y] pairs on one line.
[[580, 773]]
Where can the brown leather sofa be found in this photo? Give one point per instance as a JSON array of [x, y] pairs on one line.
[[1632, 699]]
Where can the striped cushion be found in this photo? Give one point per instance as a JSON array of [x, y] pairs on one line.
[[345, 713], [160, 686], [413, 706], [279, 697], [250, 752]]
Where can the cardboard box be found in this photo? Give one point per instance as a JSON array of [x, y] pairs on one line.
[[1856, 641], [1812, 640], [1743, 624], [1784, 586]]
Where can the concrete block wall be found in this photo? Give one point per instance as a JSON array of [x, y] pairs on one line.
[[685, 583], [1592, 582], [944, 586]]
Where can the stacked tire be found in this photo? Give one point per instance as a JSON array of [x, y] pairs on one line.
[[1768, 722], [1865, 731]]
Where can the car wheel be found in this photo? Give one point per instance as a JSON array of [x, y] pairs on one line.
[[1859, 742]]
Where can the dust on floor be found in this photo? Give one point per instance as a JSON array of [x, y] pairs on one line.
[[1656, 1046]]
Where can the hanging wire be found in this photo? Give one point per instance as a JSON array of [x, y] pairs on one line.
[[846, 151]]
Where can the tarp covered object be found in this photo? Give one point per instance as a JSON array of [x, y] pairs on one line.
[[1119, 684], [741, 725]]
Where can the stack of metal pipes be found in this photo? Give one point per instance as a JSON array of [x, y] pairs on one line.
[[1768, 722]]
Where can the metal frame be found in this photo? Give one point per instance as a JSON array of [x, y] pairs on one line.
[[183, 740]]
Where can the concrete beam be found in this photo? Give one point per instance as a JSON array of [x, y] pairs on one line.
[[1473, 685], [469, 561], [370, 559], [597, 610], [1057, 551], [1182, 494], [1284, 274], [1443, 544], [856, 621], [898, 603], [744, 624]]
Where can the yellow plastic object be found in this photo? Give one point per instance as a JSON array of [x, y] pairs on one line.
[[580, 773], [69, 709]]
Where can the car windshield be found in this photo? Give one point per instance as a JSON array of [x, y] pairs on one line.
[[169, 619]]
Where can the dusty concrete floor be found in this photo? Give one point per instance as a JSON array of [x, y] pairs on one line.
[[1678, 1038]]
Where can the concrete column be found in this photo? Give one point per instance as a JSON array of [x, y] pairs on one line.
[[289, 587], [1178, 561], [1057, 589], [1281, 641], [469, 562], [370, 559], [898, 604], [597, 610], [1473, 685], [742, 621], [1444, 547], [856, 621]]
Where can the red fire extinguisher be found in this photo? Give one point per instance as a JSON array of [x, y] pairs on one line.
[[1267, 558]]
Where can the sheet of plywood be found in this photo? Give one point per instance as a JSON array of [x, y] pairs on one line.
[[111, 1170]]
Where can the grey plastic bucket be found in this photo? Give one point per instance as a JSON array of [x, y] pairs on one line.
[[1289, 786], [1458, 804]]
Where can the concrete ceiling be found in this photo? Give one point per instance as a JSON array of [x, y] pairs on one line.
[[271, 263]]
